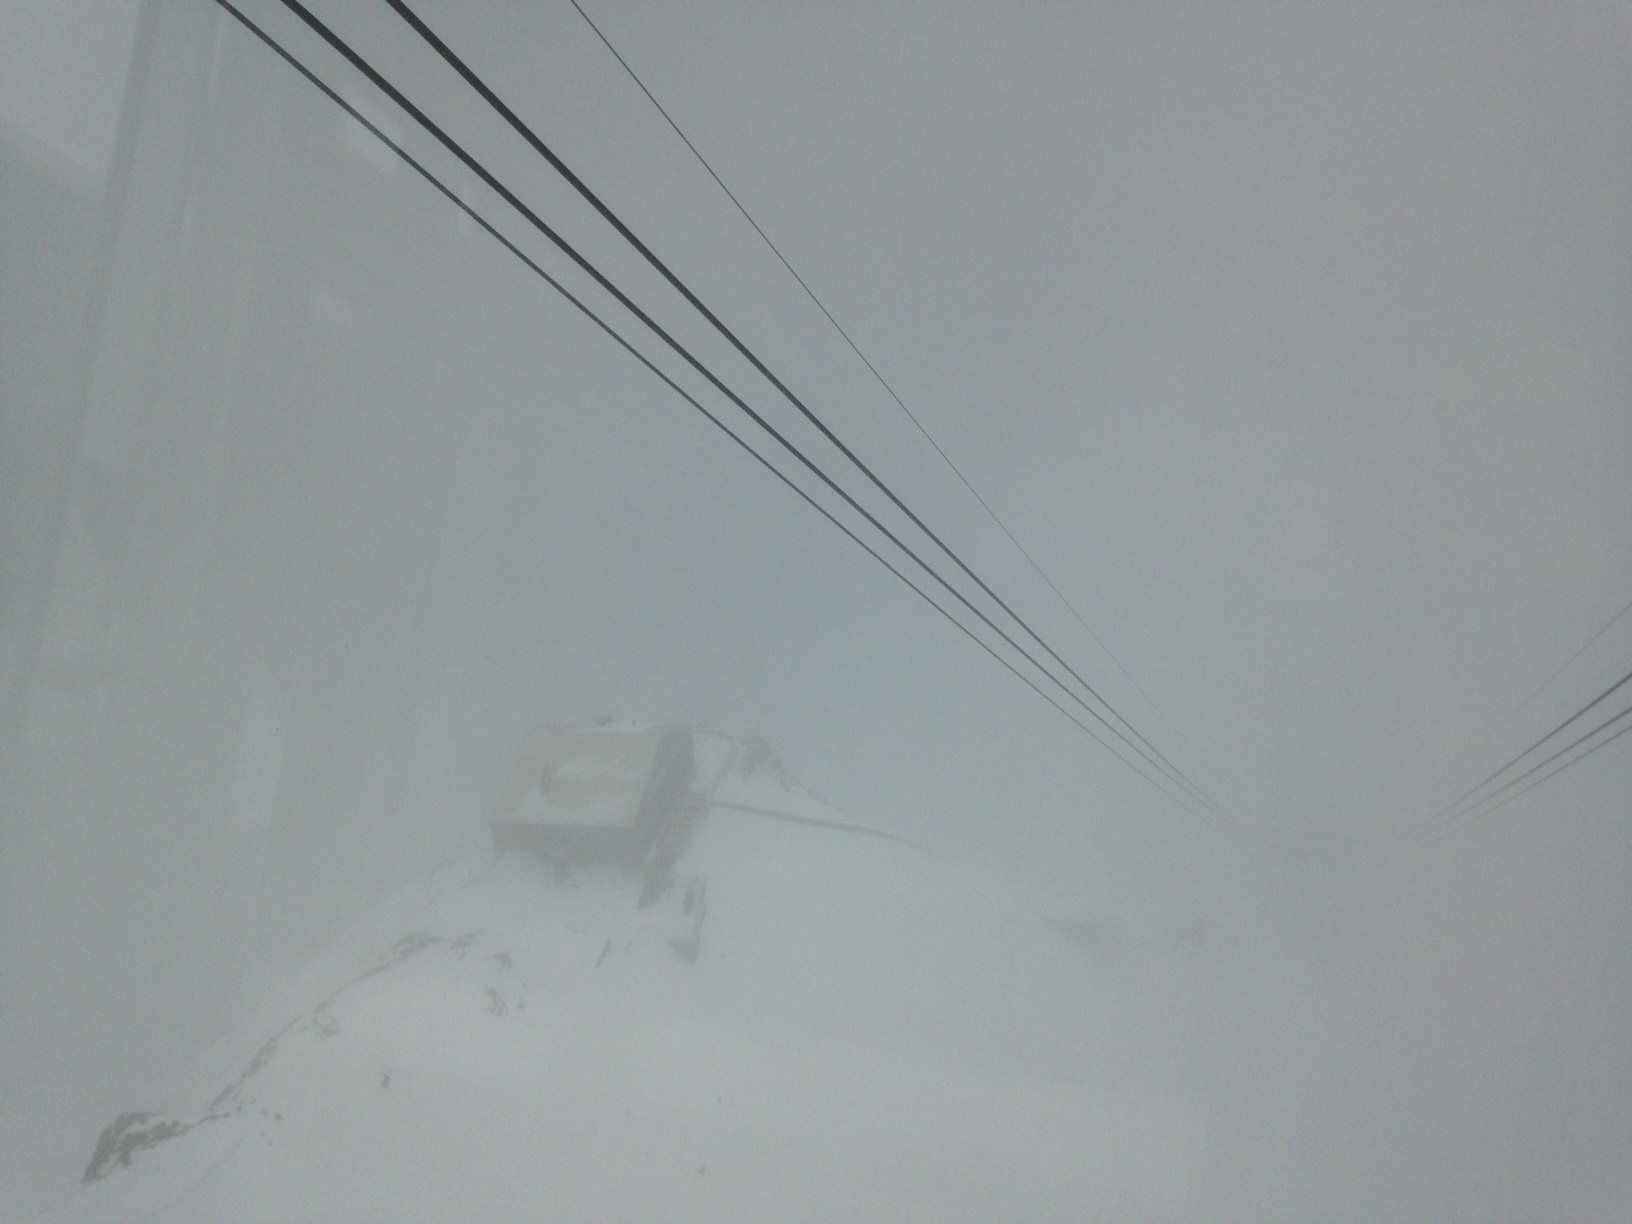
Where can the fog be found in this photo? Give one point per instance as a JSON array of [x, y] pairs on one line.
[[1293, 343]]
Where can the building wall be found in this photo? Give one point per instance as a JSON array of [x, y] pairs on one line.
[[220, 581]]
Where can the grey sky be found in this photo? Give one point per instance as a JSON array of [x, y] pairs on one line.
[[1292, 341]]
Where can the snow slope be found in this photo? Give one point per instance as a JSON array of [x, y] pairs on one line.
[[866, 1032]]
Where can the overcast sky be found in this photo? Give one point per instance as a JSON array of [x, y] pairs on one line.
[[1292, 341]]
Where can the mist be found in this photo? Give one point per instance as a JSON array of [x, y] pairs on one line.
[[1293, 344]]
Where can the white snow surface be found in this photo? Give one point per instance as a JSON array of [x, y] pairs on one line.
[[868, 1032]]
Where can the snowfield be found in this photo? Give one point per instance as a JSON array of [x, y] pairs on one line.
[[856, 1030]]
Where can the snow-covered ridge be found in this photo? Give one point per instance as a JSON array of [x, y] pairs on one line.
[[858, 1029]]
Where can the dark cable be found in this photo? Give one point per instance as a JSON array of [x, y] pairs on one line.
[[459, 203], [1557, 672], [481, 171], [866, 361], [1560, 769], [815, 822], [1475, 810], [1449, 808], [515, 121]]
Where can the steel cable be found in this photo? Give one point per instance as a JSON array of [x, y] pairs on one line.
[[481, 171], [1159, 760], [872, 369], [584, 309]]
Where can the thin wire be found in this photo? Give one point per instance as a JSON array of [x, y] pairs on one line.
[[515, 121], [815, 822], [1559, 671], [866, 361], [1444, 812], [1567, 764], [1485, 807], [482, 172], [460, 203]]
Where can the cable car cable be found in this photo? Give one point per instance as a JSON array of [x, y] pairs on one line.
[[532, 138], [1557, 672], [1451, 807], [1481, 808], [873, 370], [459, 203], [481, 171], [1560, 769]]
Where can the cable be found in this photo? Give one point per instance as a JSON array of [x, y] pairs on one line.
[[1444, 812], [578, 185], [481, 171], [515, 121], [1559, 671], [814, 822], [459, 203], [1475, 812], [872, 369], [1567, 764]]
